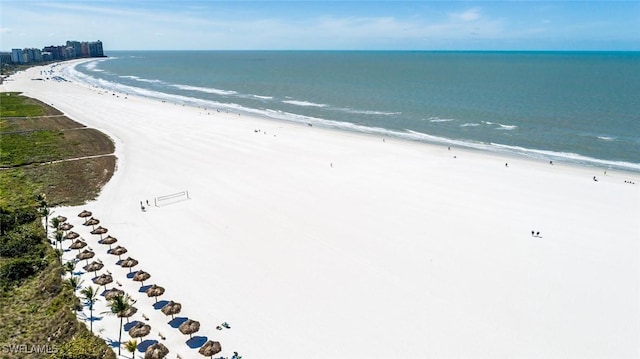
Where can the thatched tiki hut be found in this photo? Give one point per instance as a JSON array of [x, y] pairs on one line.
[[129, 263], [100, 230], [156, 351], [112, 293], [92, 222], [77, 244], [210, 348], [139, 330], [155, 291], [108, 240], [84, 214], [86, 254], [172, 308], [189, 327], [71, 235], [93, 267], [141, 276], [117, 251], [103, 279]]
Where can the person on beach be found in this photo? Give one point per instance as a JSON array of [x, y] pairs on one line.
[[595, 179]]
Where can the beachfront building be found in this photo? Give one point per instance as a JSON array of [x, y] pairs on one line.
[[95, 49], [71, 50], [5, 58], [57, 52], [17, 56]]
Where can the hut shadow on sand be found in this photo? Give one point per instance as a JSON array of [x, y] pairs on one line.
[[177, 321], [196, 342], [160, 304], [143, 345], [130, 325]]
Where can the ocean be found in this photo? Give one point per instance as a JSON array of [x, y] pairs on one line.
[[578, 107]]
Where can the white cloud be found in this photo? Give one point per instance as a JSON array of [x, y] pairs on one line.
[[467, 15]]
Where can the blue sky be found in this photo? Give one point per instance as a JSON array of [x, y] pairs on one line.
[[331, 25]]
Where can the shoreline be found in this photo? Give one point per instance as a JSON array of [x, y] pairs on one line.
[[407, 135], [379, 249]]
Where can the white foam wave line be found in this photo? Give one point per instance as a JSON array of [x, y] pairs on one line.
[[606, 138], [129, 77], [407, 134], [304, 103], [572, 157], [437, 119], [527, 152], [150, 81], [370, 112], [470, 124], [205, 89], [263, 97], [507, 127]]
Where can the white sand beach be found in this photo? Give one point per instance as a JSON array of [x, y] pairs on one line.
[[316, 243]]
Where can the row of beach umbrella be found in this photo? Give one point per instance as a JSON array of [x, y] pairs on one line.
[[140, 329]]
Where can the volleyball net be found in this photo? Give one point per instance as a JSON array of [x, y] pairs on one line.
[[171, 198]]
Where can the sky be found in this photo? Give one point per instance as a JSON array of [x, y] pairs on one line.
[[323, 25]]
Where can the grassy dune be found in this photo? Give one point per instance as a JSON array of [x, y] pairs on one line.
[[41, 157]]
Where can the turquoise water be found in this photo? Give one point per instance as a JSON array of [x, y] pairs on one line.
[[573, 106]]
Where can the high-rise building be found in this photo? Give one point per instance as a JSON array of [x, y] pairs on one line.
[[17, 56], [77, 48], [95, 49]]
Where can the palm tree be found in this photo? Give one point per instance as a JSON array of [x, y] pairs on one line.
[[119, 305], [59, 237], [91, 297], [59, 255], [55, 223], [69, 267], [74, 282], [131, 346], [44, 210]]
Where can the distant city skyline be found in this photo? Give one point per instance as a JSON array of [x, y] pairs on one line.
[[324, 25]]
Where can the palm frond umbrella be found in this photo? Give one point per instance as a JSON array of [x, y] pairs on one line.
[[78, 244], [117, 251], [155, 291], [61, 219], [139, 330], [112, 293], [108, 240], [84, 214], [189, 327], [100, 230], [141, 276], [210, 348], [66, 226], [172, 308], [86, 254], [92, 222], [128, 263], [129, 313], [156, 351], [71, 235], [94, 267], [103, 279]]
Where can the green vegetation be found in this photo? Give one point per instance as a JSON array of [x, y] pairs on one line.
[[119, 305], [38, 309]]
